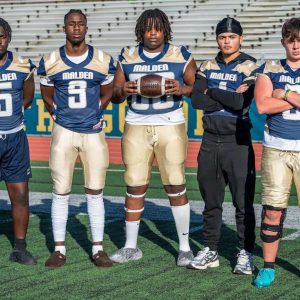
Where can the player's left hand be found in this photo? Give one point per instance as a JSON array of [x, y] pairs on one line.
[[278, 93], [173, 87]]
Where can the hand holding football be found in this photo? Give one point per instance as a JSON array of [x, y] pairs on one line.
[[151, 86]]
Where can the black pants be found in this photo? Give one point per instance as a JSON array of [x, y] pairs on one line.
[[220, 164]]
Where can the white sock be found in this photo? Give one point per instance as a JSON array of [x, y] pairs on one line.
[[132, 231], [59, 215], [181, 216], [61, 249], [97, 248], [95, 207]]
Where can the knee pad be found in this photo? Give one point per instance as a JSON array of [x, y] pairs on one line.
[[267, 238]]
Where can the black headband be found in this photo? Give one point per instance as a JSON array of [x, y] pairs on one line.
[[229, 25]]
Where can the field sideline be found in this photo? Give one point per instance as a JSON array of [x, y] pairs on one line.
[[153, 277]]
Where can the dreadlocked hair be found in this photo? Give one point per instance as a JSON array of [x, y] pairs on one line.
[[153, 18], [74, 11], [6, 28]]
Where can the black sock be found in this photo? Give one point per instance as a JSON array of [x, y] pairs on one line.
[[269, 265], [20, 244]]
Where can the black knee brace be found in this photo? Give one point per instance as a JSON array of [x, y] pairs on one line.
[[274, 228]]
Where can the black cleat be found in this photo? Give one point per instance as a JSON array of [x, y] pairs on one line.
[[22, 257]]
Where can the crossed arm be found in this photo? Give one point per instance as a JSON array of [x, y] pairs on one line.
[[269, 101], [214, 99]]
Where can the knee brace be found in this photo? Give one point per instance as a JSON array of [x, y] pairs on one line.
[[267, 238]]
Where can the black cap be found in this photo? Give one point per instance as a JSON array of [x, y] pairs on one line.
[[229, 25]]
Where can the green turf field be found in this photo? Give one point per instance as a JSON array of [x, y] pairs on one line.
[[154, 277]]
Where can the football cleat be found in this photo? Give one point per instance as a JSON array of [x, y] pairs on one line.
[[264, 278], [124, 255], [100, 259], [55, 260], [184, 258], [22, 256], [244, 263], [205, 259]]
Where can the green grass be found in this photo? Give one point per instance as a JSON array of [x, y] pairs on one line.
[[155, 276], [115, 185]]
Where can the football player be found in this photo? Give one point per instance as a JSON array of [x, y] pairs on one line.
[[277, 95], [76, 85], [16, 94], [224, 90], [154, 128]]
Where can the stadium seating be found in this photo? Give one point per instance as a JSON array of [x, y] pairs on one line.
[[37, 24]]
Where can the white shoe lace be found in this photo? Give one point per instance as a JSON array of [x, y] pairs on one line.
[[201, 254], [244, 258]]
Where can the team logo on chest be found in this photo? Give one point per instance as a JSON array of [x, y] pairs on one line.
[[150, 68], [289, 79], [223, 76], [8, 76], [77, 75]]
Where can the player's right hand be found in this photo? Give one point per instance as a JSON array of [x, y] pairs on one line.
[[242, 88], [130, 88]]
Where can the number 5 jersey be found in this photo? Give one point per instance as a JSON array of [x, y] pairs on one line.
[[77, 87], [12, 76]]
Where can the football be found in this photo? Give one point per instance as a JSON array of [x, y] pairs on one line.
[[151, 86]]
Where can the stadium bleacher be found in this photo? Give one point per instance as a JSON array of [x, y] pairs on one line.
[[37, 25]]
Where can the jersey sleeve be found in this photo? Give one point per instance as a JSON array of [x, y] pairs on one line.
[[44, 79], [110, 74], [202, 71], [187, 57], [32, 68], [250, 73], [121, 58], [263, 71]]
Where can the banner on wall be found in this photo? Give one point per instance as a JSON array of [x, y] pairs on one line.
[[39, 122]]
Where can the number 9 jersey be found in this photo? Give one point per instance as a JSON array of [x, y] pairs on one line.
[[12, 76], [77, 88]]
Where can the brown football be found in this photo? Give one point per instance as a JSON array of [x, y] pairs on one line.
[[151, 86]]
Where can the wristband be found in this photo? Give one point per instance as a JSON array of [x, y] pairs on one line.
[[286, 94]]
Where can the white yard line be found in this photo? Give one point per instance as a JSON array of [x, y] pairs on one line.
[[155, 209], [292, 236]]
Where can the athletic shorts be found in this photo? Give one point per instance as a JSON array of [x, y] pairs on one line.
[[279, 169], [14, 157], [141, 144], [66, 145]]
